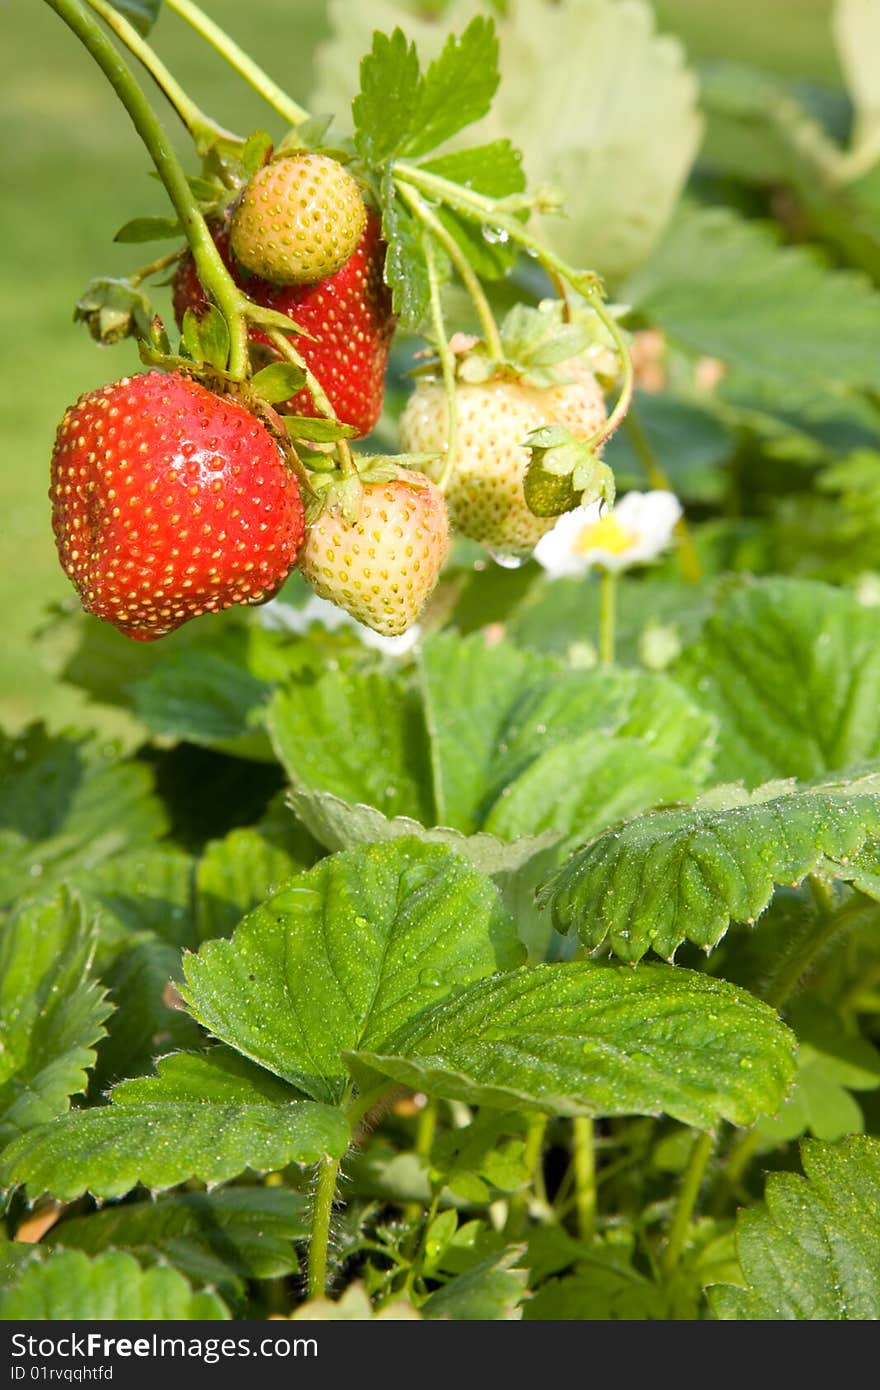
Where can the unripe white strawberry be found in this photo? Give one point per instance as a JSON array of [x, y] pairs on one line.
[[381, 566], [485, 494], [298, 220]]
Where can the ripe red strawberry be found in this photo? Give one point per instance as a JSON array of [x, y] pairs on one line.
[[298, 220], [348, 315], [169, 502], [485, 494], [382, 566]]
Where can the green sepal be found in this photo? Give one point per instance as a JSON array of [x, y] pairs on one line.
[[308, 135], [149, 229], [563, 473], [113, 310], [316, 429], [278, 382], [270, 318], [205, 337], [255, 150]]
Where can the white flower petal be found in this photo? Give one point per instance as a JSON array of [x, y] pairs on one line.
[[646, 519]]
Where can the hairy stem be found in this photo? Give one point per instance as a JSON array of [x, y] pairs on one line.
[[203, 130], [584, 1159], [210, 268], [518, 1208], [462, 265], [322, 1211], [447, 363], [689, 560], [687, 1200], [163, 263], [252, 73], [607, 616]]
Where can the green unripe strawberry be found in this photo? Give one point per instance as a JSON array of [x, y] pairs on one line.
[[298, 220]]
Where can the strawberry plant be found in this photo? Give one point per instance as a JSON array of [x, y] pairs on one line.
[[477, 916]]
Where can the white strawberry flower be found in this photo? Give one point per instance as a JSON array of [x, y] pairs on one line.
[[635, 532], [283, 617]]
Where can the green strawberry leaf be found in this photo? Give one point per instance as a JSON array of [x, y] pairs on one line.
[[70, 1287], [487, 1292], [141, 229], [678, 875], [792, 670], [405, 268], [246, 866], [785, 324], [811, 1253], [66, 806], [147, 1018], [278, 381], [218, 1237], [212, 700], [340, 824], [390, 89], [457, 88], [358, 735], [345, 953], [586, 1039], [494, 170], [209, 1116], [51, 1011]]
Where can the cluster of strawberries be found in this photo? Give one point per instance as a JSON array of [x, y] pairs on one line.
[[171, 499]]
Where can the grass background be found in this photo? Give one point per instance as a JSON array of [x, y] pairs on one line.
[[74, 171]]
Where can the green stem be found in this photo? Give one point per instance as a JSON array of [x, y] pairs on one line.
[[820, 931], [322, 1211], [607, 612], [425, 1130], [687, 1200], [163, 263], [462, 265], [584, 1176], [689, 560], [203, 130], [533, 1153], [447, 363], [252, 73], [210, 268]]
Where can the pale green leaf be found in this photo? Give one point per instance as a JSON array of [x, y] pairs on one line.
[[208, 1116], [359, 736], [405, 268], [239, 871], [791, 668], [67, 1286], [344, 954], [679, 875], [586, 1039], [206, 698], [339, 824], [782, 320], [213, 1237], [812, 1253], [51, 1012]]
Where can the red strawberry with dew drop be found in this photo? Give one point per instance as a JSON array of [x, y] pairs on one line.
[[169, 501], [348, 315]]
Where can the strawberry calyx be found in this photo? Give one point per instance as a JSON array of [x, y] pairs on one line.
[[564, 472], [332, 489]]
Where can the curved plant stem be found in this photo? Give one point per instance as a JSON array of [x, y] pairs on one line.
[[689, 560], [210, 268], [486, 211], [203, 130], [607, 615], [163, 263], [282, 343], [687, 1200], [518, 1208], [424, 1142], [322, 1211], [447, 363], [462, 265], [584, 1176], [252, 73]]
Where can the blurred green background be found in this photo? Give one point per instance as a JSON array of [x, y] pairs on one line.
[[74, 172]]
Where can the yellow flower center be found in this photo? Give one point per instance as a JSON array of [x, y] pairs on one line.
[[605, 534]]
